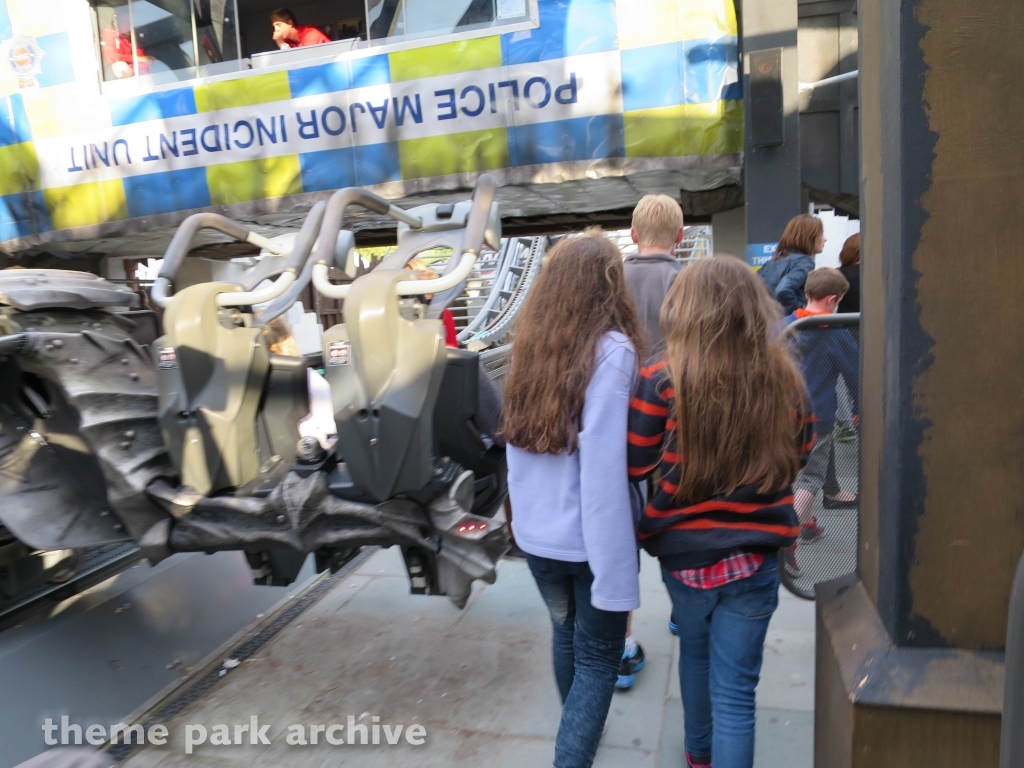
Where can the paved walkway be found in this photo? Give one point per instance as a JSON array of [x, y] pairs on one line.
[[479, 680]]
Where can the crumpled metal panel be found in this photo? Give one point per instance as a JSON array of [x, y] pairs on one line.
[[30, 289], [48, 497], [302, 513], [99, 447], [467, 556]]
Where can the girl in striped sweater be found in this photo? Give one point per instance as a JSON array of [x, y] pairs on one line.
[[722, 418]]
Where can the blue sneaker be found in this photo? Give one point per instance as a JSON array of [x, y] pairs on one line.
[[672, 626], [628, 668]]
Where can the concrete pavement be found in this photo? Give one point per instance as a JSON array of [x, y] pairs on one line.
[[478, 680], [102, 654]]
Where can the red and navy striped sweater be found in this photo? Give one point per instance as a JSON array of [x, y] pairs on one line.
[[696, 534]]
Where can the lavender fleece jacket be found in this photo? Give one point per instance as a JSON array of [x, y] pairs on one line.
[[575, 506]]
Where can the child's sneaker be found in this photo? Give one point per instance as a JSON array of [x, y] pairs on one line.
[[628, 668], [692, 762], [789, 562], [811, 531]]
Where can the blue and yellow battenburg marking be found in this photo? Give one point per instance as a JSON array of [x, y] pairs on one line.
[[598, 79]]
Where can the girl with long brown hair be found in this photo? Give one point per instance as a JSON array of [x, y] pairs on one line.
[[722, 414], [784, 276], [573, 371]]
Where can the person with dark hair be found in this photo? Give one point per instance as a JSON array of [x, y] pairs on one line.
[[288, 33], [574, 366], [784, 275], [849, 265], [724, 417]]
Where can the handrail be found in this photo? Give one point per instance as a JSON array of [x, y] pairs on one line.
[[302, 246], [839, 320], [333, 218], [1011, 747], [473, 240], [476, 227], [298, 264], [247, 298], [181, 243], [438, 284], [802, 87]]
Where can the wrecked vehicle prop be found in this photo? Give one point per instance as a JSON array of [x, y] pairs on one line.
[[190, 441]]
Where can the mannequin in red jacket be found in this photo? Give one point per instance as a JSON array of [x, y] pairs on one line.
[[116, 47]]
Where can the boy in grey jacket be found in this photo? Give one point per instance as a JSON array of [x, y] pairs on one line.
[[657, 230]]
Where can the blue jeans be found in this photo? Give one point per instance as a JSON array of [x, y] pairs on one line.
[[721, 645], [587, 646]]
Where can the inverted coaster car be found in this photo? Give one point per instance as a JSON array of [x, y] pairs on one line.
[[190, 442]]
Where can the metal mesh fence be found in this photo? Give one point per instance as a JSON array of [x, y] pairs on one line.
[[698, 242], [827, 492]]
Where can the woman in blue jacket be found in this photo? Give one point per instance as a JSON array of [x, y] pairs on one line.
[[786, 273]]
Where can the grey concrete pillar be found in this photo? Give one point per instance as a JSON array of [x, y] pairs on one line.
[[772, 159], [727, 228]]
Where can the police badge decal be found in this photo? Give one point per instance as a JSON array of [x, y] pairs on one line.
[[25, 59]]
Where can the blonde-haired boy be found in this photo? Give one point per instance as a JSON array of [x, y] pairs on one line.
[[657, 230], [657, 222]]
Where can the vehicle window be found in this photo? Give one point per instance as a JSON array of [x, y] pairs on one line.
[[163, 37], [115, 38], [396, 20], [215, 31], [164, 40]]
